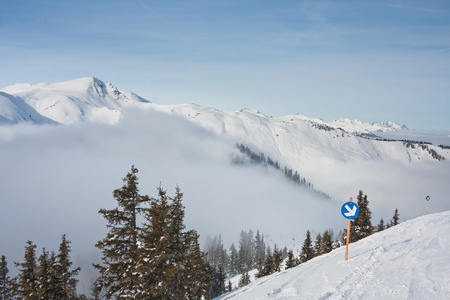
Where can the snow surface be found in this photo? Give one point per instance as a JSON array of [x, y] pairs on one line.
[[74, 101], [190, 145], [407, 261]]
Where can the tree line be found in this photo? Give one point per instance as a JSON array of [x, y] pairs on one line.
[[50, 276], [147, 253]]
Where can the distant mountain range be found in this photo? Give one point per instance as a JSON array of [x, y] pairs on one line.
[[295, 142]]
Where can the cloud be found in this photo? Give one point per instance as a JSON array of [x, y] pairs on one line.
[[54, 179]]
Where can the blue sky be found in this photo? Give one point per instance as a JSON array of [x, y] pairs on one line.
[[367, 60]]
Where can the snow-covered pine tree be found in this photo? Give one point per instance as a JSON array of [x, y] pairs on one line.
[[43, 276], [245, 278], [156, 251], [67, 288], [307, 251], [172, 265], [119, 273], [6, 283], [27, 287]]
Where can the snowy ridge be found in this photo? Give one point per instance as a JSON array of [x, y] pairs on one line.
[[74, 101], [407, 261], [294, 140]]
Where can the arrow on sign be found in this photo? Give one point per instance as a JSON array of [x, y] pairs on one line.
[[351, 211]]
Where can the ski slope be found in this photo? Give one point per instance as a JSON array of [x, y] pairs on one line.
[[408, 261]]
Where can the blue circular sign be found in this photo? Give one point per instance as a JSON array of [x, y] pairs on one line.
[[428, 198], [350, 210]]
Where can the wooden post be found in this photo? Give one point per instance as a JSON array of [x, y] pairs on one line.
[[348, 235]]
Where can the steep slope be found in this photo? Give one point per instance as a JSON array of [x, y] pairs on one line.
[[408, 261], [74, 101], [14, 111]]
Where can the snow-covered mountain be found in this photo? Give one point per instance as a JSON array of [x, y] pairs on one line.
[[69, 102], [306, 145], [72, 170], [407, 261]]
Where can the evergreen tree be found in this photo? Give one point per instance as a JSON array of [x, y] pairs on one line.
[[307, 249], [67, 282], [119, 274], [217, 286], [317, 245], [6, 283], [27, 287], [290, 262], [246, 244], [267, 267], [43, 276], [234, 261], [245, 278], [395, 218], [326, 245], [172, 264], [380, 226], [259, 249], [362, 225], [277, 259]]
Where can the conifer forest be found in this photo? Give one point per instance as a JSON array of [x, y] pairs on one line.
[[148, 253]]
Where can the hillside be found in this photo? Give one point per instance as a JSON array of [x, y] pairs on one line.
[[408, 261], [74, 101]]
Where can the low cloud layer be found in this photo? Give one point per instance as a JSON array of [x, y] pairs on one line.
[[54, 179]]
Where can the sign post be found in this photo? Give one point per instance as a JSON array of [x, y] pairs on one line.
[[350, 211], [428, 202]]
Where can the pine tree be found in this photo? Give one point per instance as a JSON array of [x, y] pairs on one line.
[[43, 276], [362, 224], [27, 287], [395, 218], [246, 244], [360, 227], [290, 262], [119, 275], [217, 286], [6, 283], [172, 264], [67, 282], [307, 252], [380, 226], [267, 266], [234, 261], [277, 259], [317, 245], [156, 255], [245, 278], [258, 254], [326, 245]]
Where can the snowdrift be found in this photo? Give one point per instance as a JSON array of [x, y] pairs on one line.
[[408, 261]]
